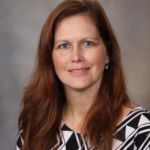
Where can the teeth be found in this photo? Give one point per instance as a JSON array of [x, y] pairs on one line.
[[78, 70]]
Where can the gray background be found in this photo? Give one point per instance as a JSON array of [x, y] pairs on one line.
[[20, 25]]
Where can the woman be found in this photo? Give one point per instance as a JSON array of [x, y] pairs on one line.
[[77, 97]]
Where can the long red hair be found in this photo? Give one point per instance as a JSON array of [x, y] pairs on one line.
[[44, 98]]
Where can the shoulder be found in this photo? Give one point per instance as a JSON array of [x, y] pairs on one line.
[[137, 117], [136, 129], [142, 130], [19, 142]]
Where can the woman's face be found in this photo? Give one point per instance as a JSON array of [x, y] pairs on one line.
[[79, 54]]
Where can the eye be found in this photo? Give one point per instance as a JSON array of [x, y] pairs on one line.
[[63, 46], [88, 43]]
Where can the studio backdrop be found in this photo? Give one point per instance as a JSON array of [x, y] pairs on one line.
[[21, 22]]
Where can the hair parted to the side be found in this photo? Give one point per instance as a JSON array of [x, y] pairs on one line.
[[44, 99]]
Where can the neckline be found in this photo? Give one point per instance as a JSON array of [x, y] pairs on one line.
[[138, 107], [62, 124]]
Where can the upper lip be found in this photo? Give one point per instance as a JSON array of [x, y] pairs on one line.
[[78, 68]]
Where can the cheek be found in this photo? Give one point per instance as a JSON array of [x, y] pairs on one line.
[[98, 57], [59, 61]]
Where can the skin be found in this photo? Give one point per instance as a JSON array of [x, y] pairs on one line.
[[76, 53], [77, 44]]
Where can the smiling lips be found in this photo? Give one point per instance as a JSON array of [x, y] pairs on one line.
[[78, 70]]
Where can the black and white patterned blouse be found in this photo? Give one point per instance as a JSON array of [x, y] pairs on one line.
[[133, 134]]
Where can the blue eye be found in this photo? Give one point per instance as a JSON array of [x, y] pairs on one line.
[[64, 46], [88, 43]]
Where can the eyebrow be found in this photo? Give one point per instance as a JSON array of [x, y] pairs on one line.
[[80, 40]]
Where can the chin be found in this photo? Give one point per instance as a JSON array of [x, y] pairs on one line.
[[78, 87]]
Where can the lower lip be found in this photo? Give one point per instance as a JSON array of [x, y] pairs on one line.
[[79, 73]]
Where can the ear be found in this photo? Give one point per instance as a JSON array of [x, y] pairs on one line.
[[107, 59]]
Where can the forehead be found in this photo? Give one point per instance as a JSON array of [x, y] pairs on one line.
[[77, 16], [76, 25]]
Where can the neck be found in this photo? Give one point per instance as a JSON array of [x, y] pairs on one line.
[[78, 103]]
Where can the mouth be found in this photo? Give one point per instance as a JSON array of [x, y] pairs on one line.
[[79, 70]]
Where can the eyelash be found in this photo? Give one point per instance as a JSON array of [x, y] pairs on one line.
[[62, 45], [91, 43]]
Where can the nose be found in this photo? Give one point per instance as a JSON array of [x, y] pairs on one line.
[[77, 54]]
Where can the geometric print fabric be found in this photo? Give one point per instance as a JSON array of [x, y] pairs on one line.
[[133, 133]]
